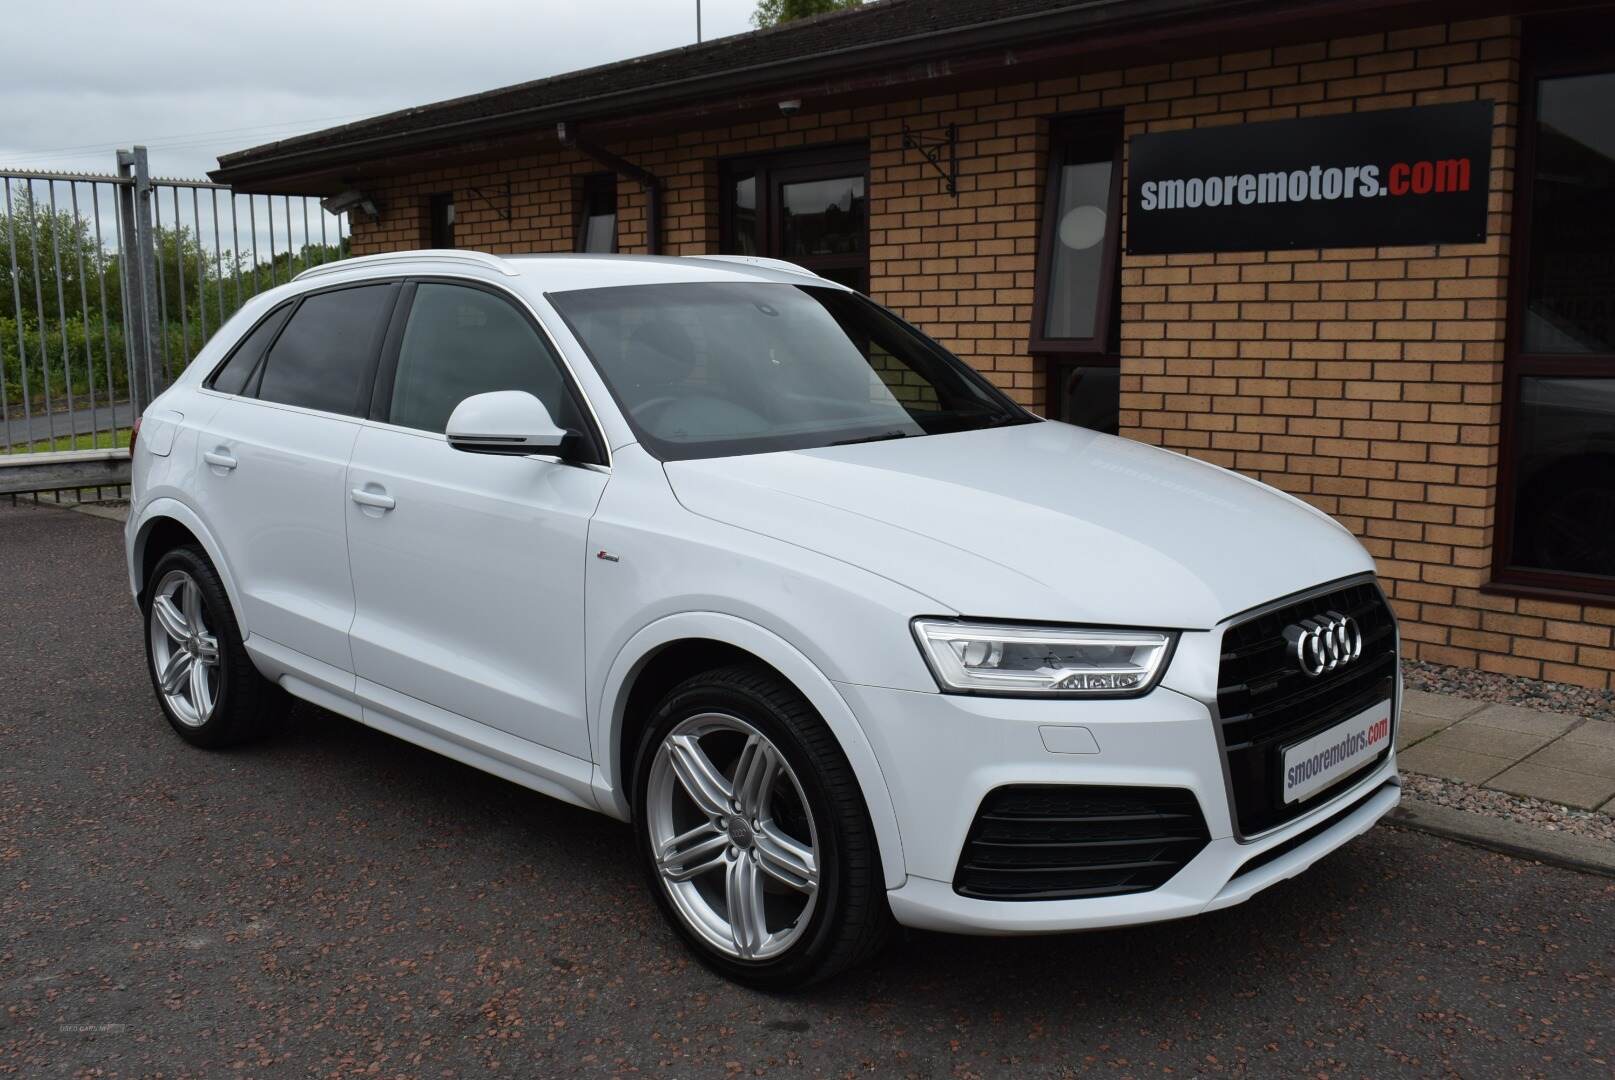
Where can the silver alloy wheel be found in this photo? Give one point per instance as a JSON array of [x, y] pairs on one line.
[[184, 652], [733, 836]]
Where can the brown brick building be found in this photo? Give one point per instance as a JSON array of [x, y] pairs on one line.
[[967, 164]]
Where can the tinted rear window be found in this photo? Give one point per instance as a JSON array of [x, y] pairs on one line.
[[322, 359], [233, 375]]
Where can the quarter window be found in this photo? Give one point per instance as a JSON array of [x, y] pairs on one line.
[[322, 359], [462, 341], [232, 377]]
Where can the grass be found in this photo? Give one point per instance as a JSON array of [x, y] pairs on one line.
[[103, 440]]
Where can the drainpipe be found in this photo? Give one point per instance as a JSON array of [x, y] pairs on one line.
[[648, 182]]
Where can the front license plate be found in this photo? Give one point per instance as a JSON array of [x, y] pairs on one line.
[[1318, 762]]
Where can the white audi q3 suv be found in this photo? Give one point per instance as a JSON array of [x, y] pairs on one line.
[[732, 553]]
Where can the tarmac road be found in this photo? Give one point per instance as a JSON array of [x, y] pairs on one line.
[[334, 902], [63, 425]]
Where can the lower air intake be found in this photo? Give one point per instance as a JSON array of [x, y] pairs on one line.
[[1067, 842]]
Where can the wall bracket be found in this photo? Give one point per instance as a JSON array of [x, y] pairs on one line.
[[934, 148], [504, 211]]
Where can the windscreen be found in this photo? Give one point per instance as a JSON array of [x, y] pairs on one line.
[[710, 369]]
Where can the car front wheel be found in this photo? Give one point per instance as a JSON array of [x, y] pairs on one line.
[[754, 832]]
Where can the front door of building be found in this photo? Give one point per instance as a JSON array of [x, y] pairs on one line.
[[808, 207]]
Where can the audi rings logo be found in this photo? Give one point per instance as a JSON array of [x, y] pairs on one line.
[[1324, 643]]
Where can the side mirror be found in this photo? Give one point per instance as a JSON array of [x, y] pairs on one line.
[[504, 422]]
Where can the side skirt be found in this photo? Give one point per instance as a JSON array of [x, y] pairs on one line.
[[549, 772]]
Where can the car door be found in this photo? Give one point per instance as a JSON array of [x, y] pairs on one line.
[[468, 569], [274, 461]]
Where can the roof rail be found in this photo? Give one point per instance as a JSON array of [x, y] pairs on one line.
[[760, 262], [480, 258]]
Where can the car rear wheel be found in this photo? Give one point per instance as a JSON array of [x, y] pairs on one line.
[[203, 678], [754, 833]]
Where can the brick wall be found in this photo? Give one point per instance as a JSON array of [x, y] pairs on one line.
[[1366, 381]]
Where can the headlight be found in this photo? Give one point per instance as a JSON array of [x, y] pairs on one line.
[[982, 658]]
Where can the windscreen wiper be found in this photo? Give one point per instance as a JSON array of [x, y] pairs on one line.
[[882, 437]]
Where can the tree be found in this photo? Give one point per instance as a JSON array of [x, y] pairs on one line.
[[774, 12], [39, 241], [62, 332]]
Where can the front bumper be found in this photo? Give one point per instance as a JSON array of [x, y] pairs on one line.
[[942, 754]]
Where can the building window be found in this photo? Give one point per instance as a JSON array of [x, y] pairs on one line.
[[1073, 313], [741, 199], [808, 207], [440, 211], [1556, 514], [598, 230]]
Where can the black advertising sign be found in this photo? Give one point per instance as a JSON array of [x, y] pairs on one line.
[[1401, 176]]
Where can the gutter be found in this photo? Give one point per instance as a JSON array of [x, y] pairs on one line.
[[649, 183], [1084, 22]]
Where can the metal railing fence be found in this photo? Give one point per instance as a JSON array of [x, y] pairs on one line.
[[111, 284]]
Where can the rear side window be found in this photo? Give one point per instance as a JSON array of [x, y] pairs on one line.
[[232, 377], [322, 359], [462, 341]]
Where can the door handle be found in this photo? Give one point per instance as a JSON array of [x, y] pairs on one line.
[[219, 459], [377, 499]]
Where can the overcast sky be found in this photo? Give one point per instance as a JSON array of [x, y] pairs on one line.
[[191, 81]]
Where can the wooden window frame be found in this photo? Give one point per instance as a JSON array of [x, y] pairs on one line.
[[433, 203], [1553, 48], [790, 166], [1066, 135]]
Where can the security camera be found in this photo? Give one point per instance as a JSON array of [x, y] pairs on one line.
[[791, 107], [350, 199]]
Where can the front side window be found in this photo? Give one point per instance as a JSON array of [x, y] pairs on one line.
[[599, 230], [709, 369], [1559, 528], [322, 360], [462, 341], [1073, 314]]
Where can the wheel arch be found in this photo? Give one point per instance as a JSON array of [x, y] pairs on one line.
[[668, 651], [168, 523]]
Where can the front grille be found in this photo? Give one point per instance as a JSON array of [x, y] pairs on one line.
[[1266, 702], [1062, 842]]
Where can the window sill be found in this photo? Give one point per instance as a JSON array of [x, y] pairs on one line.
[[1557, 594], [1067, 347]]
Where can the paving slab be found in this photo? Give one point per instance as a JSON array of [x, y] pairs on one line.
[[1528, 721], [1491, 741], [1453, 764], [1439, 706], [1593, 733], [1414, 728], [1576, 757], [1555, 785]]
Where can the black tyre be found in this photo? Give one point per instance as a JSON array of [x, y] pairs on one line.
[[203, 678], [754, 834]]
